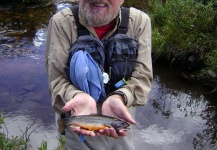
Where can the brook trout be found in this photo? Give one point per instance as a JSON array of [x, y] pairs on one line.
[[92, 123]]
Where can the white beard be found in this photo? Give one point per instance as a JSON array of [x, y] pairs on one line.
[[95, 19]]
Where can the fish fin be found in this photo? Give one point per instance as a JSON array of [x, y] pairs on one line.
[[108, 125], [62, 126], [74, 127], [82, 138]]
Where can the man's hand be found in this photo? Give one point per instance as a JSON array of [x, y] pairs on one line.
[[113, 106], [81, 104]]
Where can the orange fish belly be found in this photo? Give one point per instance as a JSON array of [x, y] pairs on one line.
[[90, 127]]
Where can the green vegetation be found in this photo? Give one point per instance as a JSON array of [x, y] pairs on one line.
[[9, 144], [185, 35], [31, 1], [22, 142], [28, 2]]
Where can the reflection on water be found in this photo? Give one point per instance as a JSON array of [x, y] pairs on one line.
[[40, 37], [179, 115], [24, 96]]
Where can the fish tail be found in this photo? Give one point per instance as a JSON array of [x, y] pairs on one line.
[[62, 126]]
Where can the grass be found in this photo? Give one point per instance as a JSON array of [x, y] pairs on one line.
[[185, 35]]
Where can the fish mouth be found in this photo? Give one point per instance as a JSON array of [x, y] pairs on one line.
[[125, 129], [126, 126]]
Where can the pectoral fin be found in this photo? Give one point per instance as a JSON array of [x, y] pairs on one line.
[[106, 125]]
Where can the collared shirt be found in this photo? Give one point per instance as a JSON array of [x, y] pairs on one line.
[[62, 33]]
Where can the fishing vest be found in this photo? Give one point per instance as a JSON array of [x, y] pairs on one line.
[[115, 56]]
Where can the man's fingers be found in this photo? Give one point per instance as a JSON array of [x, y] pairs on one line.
[[111, 132], [123, 132]]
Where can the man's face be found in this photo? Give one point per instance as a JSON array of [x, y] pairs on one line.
[[99, 12]]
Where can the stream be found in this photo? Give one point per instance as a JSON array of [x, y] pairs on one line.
[[179, 115]]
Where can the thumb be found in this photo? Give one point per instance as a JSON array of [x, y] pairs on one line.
[[68, 106], [132, 121], [128, 117]]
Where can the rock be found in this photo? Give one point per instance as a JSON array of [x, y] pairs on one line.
[[7, 40]]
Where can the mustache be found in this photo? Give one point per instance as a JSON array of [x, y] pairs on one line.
[[100, 1]]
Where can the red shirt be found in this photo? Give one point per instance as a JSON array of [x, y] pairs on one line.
[[101, 31]]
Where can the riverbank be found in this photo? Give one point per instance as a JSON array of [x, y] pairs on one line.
[[184, 37], [187, 38]]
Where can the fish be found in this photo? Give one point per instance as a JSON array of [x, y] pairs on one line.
[[93, 122]]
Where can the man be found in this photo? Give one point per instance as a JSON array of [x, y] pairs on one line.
[[101, 18]]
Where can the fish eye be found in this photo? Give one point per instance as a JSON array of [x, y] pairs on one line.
[[124, 123]]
